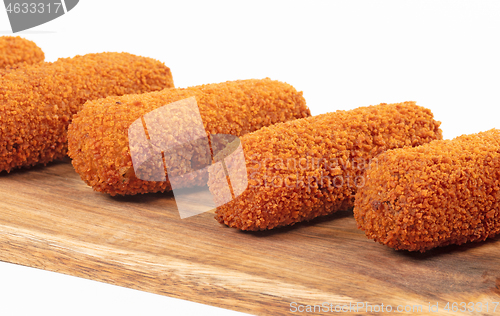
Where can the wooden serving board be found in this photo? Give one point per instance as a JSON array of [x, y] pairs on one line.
[[50, 219]]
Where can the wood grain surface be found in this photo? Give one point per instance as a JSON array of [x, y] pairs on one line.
[[49, 219]]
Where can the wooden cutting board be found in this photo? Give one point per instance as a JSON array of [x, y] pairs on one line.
[[49, 219]]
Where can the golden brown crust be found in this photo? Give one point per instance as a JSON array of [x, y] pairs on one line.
[[37, 101], [99, 140], [445, 192], [15, 50], [310, 167]]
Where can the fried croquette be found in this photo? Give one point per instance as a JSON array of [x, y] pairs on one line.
[[445, 192], [16, 50], [311, 167], [99, 134], [37, 102]]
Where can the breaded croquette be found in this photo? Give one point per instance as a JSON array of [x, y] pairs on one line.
[[99, 134], [445, 192], [15, 50], [37, 102], [310, 167]]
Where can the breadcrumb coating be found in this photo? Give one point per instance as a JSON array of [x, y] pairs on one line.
[[310, 167], [99, 140], [15, 50], [37, 101], [445, 192]]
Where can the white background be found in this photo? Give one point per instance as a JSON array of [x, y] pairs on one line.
[[343, 54]]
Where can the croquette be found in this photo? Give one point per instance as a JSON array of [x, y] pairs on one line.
[[310, 167], [445, 192], [99, 134], [37, 101], [16, 50]]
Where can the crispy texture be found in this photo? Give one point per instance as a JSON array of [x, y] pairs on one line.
[[37, 102], [15, 50], [310, 167], [445, 192], [99, 140]]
